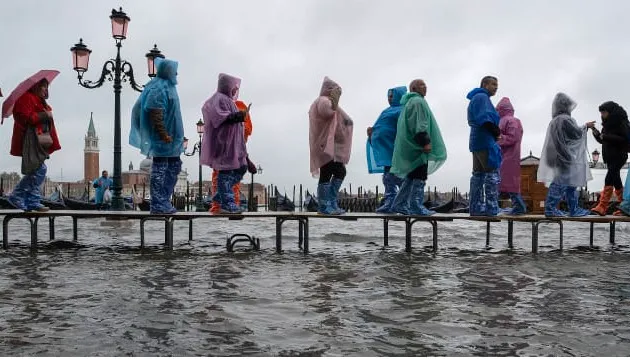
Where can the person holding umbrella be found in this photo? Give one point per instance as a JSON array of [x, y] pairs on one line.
[[34, 137]]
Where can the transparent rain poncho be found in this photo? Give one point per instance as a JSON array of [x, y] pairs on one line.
[[380, 147], [564, 155], [159, 93], [330, 130], [416, 117], [224, 146]]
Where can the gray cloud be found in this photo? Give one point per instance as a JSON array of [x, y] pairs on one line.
[[283, 49]]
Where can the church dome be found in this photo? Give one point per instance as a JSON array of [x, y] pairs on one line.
[[146, 164]]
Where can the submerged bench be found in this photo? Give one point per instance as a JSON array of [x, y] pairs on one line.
[[303, 219]]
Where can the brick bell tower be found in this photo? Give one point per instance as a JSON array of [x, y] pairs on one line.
[[90, 154]]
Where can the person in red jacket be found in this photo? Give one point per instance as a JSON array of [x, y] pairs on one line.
[[31, 110]]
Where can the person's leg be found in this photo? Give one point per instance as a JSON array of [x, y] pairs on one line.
[[418, 179], [160, 201], [225, 181], [324, 190], [216, 205], [491, 188], [518, 205], [173, 170], [554, 195], [606, 194], [34, 195], [339, 174], [572, 201], [391, 183], [477, 180], [17, 198]]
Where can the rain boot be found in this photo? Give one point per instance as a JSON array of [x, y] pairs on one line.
[[518, 205], [402, 199], [416, 203], [172, 171], [604, 201], [572, 201], [390, 182], [215, 206], [323, 198], [335, 185], [554, 194], [225, 195], [477, 206], [619, 196], [160, 200], [624, 207], [491, 187]]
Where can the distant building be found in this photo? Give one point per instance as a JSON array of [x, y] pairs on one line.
[[91, 169]]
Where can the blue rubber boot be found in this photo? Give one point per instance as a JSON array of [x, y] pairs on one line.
[[391, 183], [477, 205], [170, 180], [491, 187], [518, 205], [335, 185], [416, 204], [624, 207], [554, 195], [225, 181], [160, 199], [572, 200], [402, 199], [323, 199]]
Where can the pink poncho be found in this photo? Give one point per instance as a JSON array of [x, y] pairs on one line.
[[223, 146], [510, 142], [329, 138]]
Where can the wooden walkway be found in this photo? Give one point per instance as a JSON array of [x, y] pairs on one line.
[[303, 220]]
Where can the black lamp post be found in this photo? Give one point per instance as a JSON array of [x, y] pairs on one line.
[[250, 200], [119, 71], [197, 149]]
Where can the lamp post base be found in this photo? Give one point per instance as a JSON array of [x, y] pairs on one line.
[[118, 204], [199, 207]]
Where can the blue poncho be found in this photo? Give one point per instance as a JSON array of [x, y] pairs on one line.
[[159, 93], [380, 148], [480, 111]]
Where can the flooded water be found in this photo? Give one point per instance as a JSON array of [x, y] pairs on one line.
[[349, 297]]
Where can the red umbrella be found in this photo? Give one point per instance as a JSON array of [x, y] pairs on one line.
[[7, 105]]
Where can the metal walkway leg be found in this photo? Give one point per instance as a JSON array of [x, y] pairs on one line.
[[385, 232], [279, 234], [51, 228]]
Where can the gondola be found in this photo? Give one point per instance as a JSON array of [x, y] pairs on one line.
[[444, 207]]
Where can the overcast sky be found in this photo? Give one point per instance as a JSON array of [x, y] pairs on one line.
[[283, 49]]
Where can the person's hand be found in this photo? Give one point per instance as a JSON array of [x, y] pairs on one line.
[[590, 124], [251, 167], [49, 114], [427, 148]]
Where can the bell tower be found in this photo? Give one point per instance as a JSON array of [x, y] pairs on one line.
[[90, 153]]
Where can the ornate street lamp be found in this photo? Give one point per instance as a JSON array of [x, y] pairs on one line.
[[119, 71], [197, 149]]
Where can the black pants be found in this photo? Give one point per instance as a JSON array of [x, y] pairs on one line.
[[420, 173], [613, 177], [330, 170]]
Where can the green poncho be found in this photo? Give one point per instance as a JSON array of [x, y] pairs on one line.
[[416, 117]]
